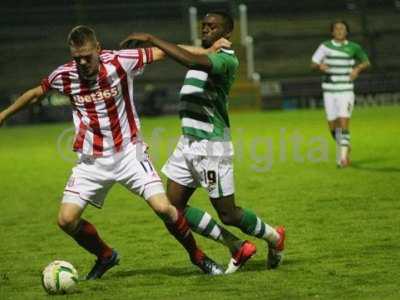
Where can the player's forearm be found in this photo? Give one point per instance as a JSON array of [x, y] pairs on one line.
[[159, 54], [314, 66], [181, 55], [362, 66], [195, 50], [319, 67], [29, 97], [215, 47]]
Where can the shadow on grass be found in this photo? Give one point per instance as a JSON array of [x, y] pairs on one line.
[[251, 266], [368, 165], [260, 265], [170, 271]]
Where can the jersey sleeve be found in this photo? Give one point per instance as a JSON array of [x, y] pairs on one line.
[[222, 63], [361, 55], [53, 81], [134, 60], [319, 55]]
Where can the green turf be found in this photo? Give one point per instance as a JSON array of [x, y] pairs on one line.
[[342, 225]]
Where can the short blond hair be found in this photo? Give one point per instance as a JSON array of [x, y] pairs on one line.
[[80, 35]]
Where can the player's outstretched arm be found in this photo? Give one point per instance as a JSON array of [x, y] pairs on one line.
[[29, 97], [221, 43], [182, 56], [159, 54]]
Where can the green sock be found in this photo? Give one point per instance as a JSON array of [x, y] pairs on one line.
[[252, 225], [203, 223]]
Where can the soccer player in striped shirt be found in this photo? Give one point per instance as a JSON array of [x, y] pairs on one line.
[[107, 139], [204, 154], [341, 61]]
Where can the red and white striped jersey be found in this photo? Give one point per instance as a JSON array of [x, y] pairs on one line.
[[104, 113]]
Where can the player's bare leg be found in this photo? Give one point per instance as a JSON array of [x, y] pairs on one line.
[[86, 235], [178, 194], [332, 128], [249, 223], [69, 216], [178, 226]]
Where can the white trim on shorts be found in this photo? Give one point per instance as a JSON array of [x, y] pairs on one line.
[[74, 198]]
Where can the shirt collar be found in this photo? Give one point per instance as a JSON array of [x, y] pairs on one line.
[[227, 50], [338, 44]]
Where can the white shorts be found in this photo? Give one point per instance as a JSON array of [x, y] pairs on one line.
[[186, 167], [338, 105], [93, 177]]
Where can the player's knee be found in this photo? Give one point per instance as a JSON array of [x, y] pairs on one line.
[[164, 209], [67, 222]]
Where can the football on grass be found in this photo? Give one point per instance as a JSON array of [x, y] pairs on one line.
[[59, 277]]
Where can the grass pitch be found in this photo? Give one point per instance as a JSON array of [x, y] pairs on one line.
[[342, 224]]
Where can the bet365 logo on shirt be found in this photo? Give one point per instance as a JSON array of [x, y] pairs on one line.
[[96, 96]]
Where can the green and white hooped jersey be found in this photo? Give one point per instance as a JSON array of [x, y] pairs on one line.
[[340, 58], [203, 99]]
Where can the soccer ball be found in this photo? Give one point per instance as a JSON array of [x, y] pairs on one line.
[[59, 277]]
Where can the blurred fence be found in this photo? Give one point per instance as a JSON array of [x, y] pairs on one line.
[[286, 33], [305, 92]]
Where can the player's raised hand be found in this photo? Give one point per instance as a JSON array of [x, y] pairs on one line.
[[221, 43], [134, 38]]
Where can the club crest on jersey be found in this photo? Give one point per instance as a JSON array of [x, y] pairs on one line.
[[96, 96]]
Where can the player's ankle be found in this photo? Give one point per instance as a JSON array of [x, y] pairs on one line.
[[197, 256], [105, 254]]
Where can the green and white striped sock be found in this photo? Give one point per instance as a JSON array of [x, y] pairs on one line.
[[252, 225], [203, 223], [343, 137]]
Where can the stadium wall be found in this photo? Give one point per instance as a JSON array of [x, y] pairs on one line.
[[285, 33]]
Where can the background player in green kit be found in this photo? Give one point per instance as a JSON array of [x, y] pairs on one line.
[[341, 61], [204, 153]]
